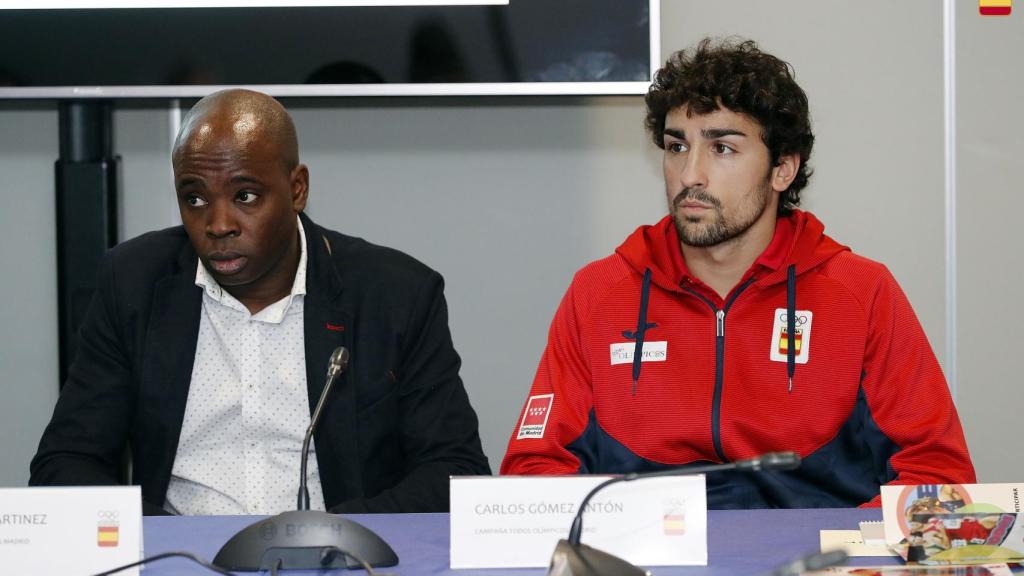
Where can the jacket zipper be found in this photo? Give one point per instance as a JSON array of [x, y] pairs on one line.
[[716, 402]]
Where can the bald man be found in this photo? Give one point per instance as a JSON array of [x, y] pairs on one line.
[[206, 346]]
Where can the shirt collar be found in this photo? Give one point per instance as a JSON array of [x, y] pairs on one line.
[[205, 281]]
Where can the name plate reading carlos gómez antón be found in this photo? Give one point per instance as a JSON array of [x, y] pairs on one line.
[[516, 521]]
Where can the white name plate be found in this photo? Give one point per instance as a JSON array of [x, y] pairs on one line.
[[73, 530], [516, 521]]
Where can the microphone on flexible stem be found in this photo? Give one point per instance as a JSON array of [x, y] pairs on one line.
[[335, 366], [576, 559], [307, 539]]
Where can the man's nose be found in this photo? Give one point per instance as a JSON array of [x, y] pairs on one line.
[[694, 171], [221, 222]]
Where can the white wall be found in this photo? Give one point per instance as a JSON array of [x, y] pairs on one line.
[[507, 197], [28, 292], [990, 138]]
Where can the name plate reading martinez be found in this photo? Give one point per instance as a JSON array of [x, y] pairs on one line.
[[70, 530], [516, 521]]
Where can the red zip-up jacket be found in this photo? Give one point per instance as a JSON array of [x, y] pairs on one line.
[[646, 367]]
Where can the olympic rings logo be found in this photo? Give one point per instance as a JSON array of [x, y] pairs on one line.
[[800, 320]]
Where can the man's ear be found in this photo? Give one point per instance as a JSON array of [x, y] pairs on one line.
[[299, 179], [785, 171]]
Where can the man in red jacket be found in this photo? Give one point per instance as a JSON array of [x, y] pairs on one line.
[[735, 326]]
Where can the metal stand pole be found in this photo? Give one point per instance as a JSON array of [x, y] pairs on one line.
[[87, 182]]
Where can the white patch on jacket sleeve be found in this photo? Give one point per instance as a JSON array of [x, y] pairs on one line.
[[802, 338], [535, 418], [622, 352]]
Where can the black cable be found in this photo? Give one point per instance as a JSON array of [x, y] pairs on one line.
[[177, 554], [326, 556]]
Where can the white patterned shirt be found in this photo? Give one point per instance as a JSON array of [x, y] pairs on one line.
[[248, 408]]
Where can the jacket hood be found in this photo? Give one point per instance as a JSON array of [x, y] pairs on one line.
[[799, 240]]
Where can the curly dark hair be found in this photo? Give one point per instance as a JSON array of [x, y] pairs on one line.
[[738, 76]]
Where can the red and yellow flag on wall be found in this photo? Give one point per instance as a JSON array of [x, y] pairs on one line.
[[994, 7]]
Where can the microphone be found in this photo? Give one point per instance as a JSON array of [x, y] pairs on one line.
[[576, 559], [307, 539], [335, 366]]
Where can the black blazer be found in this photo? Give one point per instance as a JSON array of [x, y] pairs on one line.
[[395, 427]]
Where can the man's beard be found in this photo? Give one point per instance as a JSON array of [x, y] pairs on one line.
[[694, 232]]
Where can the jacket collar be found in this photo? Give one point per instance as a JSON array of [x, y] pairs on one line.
[[167, 360], [799, 239], [329, 322], [323, 278]]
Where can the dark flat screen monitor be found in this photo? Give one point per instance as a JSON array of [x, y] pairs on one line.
[[522, 47]]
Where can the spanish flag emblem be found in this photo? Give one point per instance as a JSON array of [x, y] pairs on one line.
[[674, 524], [798, 338], [107, 536], [994, 7]]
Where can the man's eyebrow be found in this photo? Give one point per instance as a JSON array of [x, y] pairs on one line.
[[675, 133], [707, 133], [713, 133], [186, 182]]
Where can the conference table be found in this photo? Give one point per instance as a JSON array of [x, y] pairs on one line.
[[740, 542]]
